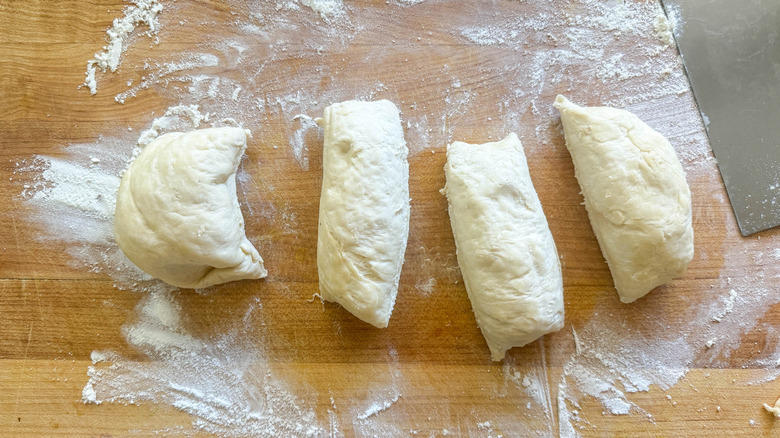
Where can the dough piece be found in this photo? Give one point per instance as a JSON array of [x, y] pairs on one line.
[[635, 193], [364, 208], [177, 215], [775, 409], [505, 249]]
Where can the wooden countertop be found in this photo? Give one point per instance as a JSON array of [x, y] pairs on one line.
[[53, 314]]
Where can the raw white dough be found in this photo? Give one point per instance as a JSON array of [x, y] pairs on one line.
[[635, 193], [775, 409], [364, 208], [177, 215], [505, 249]]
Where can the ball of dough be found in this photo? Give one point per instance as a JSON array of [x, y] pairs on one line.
[[637, 199], [177, 214]]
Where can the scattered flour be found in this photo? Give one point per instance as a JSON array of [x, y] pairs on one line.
[[426, 286], [172, 120], [328, 9], [664, 29], [728, 306], [378, 407], [528, 51], [298, 140], [88, 394], [166, 73], [158, 330], [224, 383], [577, 345], [485, 425], [77, 188], [73, 200], [488, 36], [141, 12]]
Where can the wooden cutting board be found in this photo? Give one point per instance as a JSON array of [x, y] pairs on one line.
[[53, 315]]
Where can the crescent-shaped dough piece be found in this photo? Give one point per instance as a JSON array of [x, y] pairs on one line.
[[637, 199], [505, 249], [177, 215], [364, 208]]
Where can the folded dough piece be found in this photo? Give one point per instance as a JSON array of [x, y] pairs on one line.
[[505, 249], [177, 215], [364, 208], [635, 193]]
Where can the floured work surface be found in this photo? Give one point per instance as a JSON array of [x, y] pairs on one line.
[[91, 346]]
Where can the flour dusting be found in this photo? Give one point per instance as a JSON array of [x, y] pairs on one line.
[[73, 200], [141, 12], [664, 29], [272, 69], [223, 383], [298, 142], [378, 407], [728, 306], [426, 286], [179, 117], [328, 9]]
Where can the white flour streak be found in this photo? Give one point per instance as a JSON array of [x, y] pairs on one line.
[[534, 383], [298, 140], [164, 74], [426, 286], [728, 306], [409, 2], [79, 188], [534, 413], [328, 9], [142, 12], [73, 200], [604, 366], [457, 103], [417, 132], [158, 331], [378, 407], [488, 36], [176, 118]]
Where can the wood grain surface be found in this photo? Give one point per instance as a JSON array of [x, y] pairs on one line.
[[53, 313]]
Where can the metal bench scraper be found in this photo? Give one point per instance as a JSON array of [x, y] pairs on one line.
[[731, 53]]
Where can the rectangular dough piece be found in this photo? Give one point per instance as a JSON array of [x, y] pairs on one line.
[[505, 248], [364, 208]]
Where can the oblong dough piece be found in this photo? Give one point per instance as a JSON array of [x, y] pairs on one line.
[[177, 214], [505, 249], [637, 199], [364, 208]]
